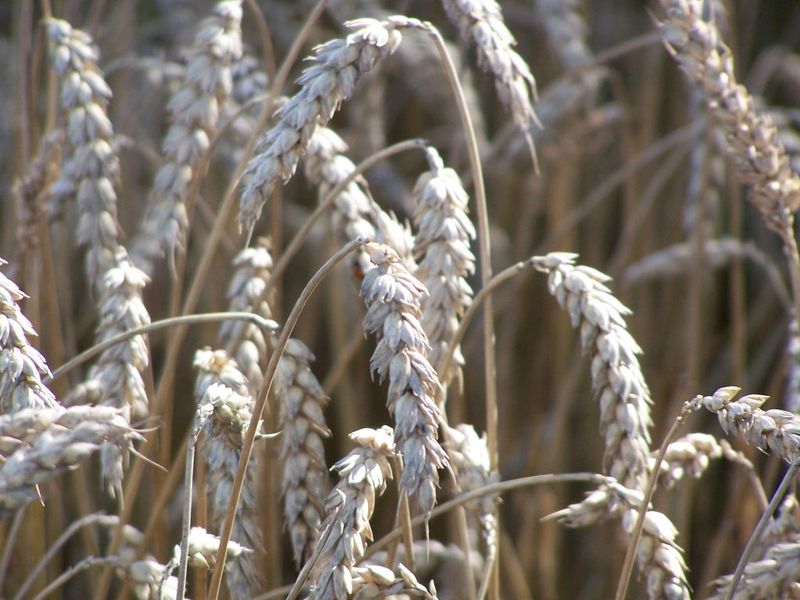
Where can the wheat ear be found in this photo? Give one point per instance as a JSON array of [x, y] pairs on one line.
[[194, 111], [444, 233], [346, 530], [223, 392], [21, 365], [393, 297]]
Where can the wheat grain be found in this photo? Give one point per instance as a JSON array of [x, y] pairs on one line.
[[346, 530], [21, 365], [222, 392], [773, 578], [444, 232], [372, 582], [393, 298]]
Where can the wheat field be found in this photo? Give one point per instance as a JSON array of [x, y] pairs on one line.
[[357, 299]]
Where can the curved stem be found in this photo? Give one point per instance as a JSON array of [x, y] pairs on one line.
[[266, 324], [479, 299], [258, 409]]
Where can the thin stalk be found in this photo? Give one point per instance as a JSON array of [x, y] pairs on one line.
[[9, 542], [54, 547], [636, 534], [760, 527], [86, 563], [188, 479], [258, 408], [88, 354]]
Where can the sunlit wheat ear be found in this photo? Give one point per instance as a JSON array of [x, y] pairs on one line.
[[393, 297], [305, 474], [91, 168], [332, 77], [617, 379], [480, 22], [21, 365], [38, 444], [470, 459], [345, 532], [659, 557], [691, 455], [752, 139], [194, 113], [223, 392], [776, 431], [246, 342], [444, 234]]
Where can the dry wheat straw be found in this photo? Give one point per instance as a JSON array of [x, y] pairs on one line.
[[223, 391], [346, 530], [92, 168], [21, 365], [470, 459], [45, 442], [776, 431], [305, 477], [393, 297], [331, 79], [194, 110], [481, 22], [246, 342], [752, 139], [444, 232]]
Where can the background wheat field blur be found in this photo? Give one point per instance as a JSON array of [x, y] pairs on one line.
[[415, 299]]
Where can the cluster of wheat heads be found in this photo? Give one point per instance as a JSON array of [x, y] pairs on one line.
[[244, 244]]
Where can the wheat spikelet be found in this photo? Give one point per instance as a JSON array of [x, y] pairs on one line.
[[331, 79], [393, 298], [346, 530], [194, 110], [617, 378], [372, 582], [21, 365], [222, 393], [481, 23], [773, 578], [442, 245], [53, 440], [752, 139], [689, 456], [305, 477]]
